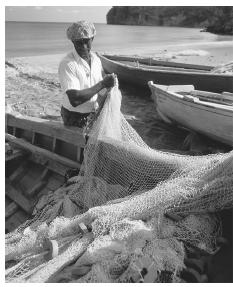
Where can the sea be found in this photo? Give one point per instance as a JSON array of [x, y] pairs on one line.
[[32, 87], [41, 38]]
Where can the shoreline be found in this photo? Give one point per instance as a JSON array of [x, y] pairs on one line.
[[206, 53]]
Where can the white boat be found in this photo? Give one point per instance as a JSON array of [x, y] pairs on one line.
[[208, 113]]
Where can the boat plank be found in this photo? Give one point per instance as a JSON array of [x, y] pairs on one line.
[[56, 167], [55, 182], [19, 172], [42, 152], [38, 184], [54, 144], [228, 95], [11, 209], [33, 138], [14, 155], [215, 97], [16, 220], [153, 62], [50, 128], [17, 197], [8, 149], [36, 188], [79, 154], [162, 67]]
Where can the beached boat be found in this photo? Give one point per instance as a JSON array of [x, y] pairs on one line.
[[208, 113], [38, 154], [138, 71]]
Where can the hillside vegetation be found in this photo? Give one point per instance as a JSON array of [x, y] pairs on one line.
[[214, 19]]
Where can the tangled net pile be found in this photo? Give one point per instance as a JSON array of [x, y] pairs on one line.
[[129, 207]]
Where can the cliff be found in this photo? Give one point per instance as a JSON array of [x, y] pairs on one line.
[[214, 19]]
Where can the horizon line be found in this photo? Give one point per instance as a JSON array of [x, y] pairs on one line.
[[48, 22]]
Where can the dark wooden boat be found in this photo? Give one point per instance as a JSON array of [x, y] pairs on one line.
[[138, 71], [38, 154]]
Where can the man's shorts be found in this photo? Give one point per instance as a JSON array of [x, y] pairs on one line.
[[73, 118]]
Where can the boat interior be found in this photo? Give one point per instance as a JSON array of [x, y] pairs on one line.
[[149, 63], [38, 155], [224, 98]]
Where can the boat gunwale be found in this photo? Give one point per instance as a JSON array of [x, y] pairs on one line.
[[46, 127], [198, 103], [155, 62], [206, 74]]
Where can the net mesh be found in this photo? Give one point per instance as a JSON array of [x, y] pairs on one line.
[[128, 195]]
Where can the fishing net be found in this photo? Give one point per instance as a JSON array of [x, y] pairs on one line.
[[142, 206]]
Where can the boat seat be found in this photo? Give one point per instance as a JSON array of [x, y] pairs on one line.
[[18, 197]]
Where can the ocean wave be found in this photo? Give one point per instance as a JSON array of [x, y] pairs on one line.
[[209, 44]]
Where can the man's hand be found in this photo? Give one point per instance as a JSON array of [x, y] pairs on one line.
[[108, 81]]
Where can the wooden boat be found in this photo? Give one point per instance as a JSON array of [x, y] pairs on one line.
[[138, 71], [208, 113], [38, 154]]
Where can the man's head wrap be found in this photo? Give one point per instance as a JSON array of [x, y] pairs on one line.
[[81, 30]]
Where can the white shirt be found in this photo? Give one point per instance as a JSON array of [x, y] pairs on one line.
[[75, 73]]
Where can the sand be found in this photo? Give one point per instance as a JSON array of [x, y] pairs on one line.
[[32, 88]]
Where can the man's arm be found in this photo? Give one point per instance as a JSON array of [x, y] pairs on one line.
[[78, 97]]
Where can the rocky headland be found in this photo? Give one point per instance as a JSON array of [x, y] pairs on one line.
[[212, 19]]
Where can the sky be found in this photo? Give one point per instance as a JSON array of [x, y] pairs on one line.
[[96, 14], [88, 10]]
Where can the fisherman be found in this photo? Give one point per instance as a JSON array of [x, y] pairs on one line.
[[81, 77]]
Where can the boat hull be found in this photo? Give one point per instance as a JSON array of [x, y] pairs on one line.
[[211, 120], [139, 76]]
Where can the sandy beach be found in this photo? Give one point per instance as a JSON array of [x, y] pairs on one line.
[[32, 88]]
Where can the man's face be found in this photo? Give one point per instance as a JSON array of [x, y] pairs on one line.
[[83, 46]]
